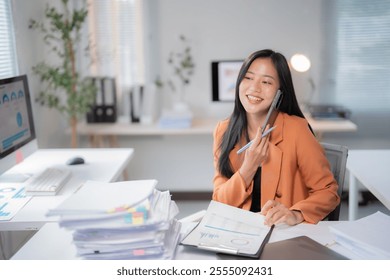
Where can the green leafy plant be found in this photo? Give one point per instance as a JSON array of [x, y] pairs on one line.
[[182, 65], [63, 87]]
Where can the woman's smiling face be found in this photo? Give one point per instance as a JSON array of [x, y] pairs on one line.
[[259, 86]]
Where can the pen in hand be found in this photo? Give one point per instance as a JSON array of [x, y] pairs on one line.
[[265, 133]]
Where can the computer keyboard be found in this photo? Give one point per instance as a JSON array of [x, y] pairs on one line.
[[48, 182]]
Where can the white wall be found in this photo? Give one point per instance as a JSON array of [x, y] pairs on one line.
[[218, 29], [49, 124], [231, 29], [221, 29]]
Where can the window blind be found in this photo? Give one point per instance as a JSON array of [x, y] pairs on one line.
[[8, 62], [362, 54], [116, 33]]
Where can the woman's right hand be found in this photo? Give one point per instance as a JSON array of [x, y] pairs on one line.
[[255, 155]]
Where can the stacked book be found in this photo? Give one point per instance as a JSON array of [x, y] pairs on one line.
[[176, 119], [122, 220]]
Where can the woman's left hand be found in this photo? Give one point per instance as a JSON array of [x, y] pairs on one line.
[[276, 213]]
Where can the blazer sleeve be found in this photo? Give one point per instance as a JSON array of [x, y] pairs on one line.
[[232, 191], [316, 173]]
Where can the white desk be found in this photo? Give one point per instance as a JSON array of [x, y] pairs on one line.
[[54, 243], [371, 168], [98, 131], [104, 165], [323, 126]]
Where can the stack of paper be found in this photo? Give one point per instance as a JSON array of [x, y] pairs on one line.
[[123, 220], [367, 237]]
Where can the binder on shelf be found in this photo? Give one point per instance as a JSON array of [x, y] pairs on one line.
[[230, 230], [136, 103], [104, 108]]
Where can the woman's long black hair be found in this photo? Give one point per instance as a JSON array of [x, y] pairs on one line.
[[238, 121]]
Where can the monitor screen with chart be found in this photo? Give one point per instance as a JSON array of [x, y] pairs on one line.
[[224, 75], [17, 133]]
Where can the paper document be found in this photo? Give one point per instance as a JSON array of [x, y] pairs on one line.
[[100, 198], [122, 220], [230, 230], [12, 199], [367, 237]]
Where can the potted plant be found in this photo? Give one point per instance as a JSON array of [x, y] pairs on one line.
[[64, 88], [182, 67]]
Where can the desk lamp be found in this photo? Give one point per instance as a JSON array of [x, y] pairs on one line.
[[301, 63]]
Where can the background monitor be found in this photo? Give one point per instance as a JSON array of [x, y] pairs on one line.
[[224, 75], [17, 133]]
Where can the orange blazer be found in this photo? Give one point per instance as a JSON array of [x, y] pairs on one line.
[[296, 172]]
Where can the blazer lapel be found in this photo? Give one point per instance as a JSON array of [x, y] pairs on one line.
[[271, 169], [270, 174]]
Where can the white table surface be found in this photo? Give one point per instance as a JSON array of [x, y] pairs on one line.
[[54, 243], [324, 125], [105, 165], [371, 168], [121, 128], [199, 126]]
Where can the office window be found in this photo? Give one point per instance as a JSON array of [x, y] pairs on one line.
[[8, 62], [116, 41], [361, 53]]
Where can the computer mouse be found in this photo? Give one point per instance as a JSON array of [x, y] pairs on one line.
[[75, 160]]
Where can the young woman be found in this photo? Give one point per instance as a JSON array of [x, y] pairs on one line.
[[284, 175]]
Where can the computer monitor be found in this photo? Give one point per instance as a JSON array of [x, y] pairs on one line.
[[17, 133], [224, 75]]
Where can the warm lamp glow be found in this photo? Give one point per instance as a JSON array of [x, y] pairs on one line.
[[300, 62]]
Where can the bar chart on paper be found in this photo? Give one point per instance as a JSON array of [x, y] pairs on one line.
[[12, 199]]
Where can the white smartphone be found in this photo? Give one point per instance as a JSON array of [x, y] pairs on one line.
[[273, 111], [270, 118]]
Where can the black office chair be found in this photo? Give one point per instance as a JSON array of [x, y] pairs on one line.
[[337, 157]]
